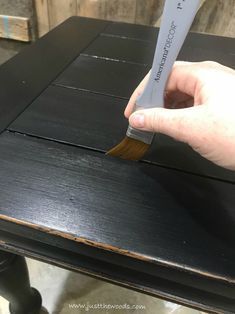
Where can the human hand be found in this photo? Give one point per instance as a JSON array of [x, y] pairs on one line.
[[204, 95]]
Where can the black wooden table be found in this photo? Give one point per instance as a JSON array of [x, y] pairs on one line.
[[164, 226]]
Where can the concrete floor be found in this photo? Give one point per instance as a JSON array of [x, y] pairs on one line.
[[9, 48], [66, 292]]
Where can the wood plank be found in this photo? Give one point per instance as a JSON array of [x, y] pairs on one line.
[[14, 27], [148, 11], [102, 76], [69, 115], [72, 188], [91, 8], [210, 18], [115, 10], [42, 17], [40, 63], [71, 193], [160, 225], [84, 119], [60, 10], [132, 31], [22, 8], [216, 17], [197, 47], [122, 49], [121, 10], [157, 21], [82, 74]]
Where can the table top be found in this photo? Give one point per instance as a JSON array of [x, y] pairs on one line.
[[164, 225]]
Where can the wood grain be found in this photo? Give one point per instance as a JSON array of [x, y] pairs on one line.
[[60, 10], [49, 116], [92, 8], [216, 17], [132, 31], [121, 10], [82, 74], [148, 12], [73, 190], [122, 49], [42, 13], [14, 27], [59, 48], [66, 115], [197, 47], [144, 225], [210, 18], [70, 116]]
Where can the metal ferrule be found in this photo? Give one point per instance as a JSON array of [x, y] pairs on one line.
[[143, 136]]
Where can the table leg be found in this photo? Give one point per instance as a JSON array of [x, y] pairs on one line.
[[15, 285]]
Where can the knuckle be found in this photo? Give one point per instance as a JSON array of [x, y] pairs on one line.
[[210, 64]]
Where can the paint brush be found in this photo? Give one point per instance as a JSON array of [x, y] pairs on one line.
[[176, 20]]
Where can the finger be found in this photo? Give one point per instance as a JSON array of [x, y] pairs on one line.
[[134, 96], [192, 77], [182, 78], [185, 77], [182, 124]]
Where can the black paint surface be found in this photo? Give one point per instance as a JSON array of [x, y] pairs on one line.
[[96, 121], [197, 47], [74, 191], [103, 76], [162, 231], [24, 77], [132, 31], [75, 117], [121, 49]]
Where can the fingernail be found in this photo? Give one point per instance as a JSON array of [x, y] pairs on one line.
[[137, 120]]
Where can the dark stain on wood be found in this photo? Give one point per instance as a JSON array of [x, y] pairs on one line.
[[61, 195]]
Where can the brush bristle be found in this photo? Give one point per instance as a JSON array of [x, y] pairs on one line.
[[129, 148]]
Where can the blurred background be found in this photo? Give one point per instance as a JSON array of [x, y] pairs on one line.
[[23, 21]]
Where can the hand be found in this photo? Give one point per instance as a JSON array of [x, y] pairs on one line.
[[204, 95]]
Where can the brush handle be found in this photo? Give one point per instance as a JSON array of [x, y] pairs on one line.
[[176, 21]]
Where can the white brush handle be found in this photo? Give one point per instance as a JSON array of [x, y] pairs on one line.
[[176, 21]]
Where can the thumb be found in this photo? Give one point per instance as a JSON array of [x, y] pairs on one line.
[[182, 124]]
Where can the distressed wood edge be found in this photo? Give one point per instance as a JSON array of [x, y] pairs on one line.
[[15, 27], [165, 296], [114, 249]]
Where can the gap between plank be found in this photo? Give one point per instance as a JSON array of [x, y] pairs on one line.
[[103, 152]]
